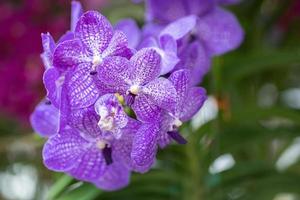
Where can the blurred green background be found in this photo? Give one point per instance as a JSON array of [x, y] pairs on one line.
[[243, 145]]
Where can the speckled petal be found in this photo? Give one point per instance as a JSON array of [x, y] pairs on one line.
[[85, 120], [146, 64], [81, 88], [61, 152], [118, 46], [48, 49], [161, 92], [220, 31], [145, 110], [115, 71], [94, 30], [131, 30], [90, 166], [116, 177], [194, 101], [179, 28], [76, 12], [69, 54], [181, 80], [144, 147], [44, 119]]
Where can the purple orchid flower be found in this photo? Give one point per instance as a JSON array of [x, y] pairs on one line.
[[188, 102], [138, 80], [94, 42]]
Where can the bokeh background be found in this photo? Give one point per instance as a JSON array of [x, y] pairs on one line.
[[243, 145]]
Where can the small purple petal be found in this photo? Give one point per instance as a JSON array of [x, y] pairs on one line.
[[69, 35], [220, 31], [144, 147], [195, 98], [48, 48], [94, 30], [44, 119], [76, 12], [195, 59], [168, 53], [53, 82], [131, 30], [69, 54], [161, 92], [179, 28], [146, 64], [60, 153]]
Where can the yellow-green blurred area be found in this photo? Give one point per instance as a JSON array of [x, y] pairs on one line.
[[244, 144]]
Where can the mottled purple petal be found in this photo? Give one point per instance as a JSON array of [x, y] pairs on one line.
[[44, 119], [146, 65], [48, 48], [131, 30], [94, 30], [90, 166], [118, 46], [81, 88], [181, 80], [116, 177], [61, 152], [69, 54], [76, 12], [161, 92], [85, 120], [194, 101], [179, 28], [115, 71], [220, 31], [145, 110], [144, 147]]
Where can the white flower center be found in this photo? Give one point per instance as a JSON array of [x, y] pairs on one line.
[[134, 89], [106, 123], [177, 122], [100, 144], [97, 59]]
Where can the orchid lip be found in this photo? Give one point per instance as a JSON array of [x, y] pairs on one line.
[[107, 155], [177, 137]]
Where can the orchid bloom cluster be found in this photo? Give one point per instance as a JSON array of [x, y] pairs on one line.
[[115, 95]]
